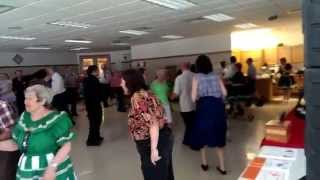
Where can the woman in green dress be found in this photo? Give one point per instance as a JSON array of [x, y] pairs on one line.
[[43, 136]]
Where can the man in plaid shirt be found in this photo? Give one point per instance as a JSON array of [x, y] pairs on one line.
[[9, 154]]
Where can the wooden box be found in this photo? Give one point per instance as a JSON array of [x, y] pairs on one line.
[[277, 131]]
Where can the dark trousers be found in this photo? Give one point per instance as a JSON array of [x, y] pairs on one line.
[[20, 102], [188, 118], [163, 170], [94, 111], [105, 89], [119, 94], [60, 102], [8, 164], [73, 96]]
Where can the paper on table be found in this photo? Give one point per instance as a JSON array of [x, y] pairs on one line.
[[279, 153]]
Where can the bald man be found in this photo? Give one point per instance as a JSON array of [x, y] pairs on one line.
[[182, 90]]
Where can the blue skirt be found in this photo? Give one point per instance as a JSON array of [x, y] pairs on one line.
[[210, 126]]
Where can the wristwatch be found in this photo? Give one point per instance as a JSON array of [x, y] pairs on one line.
[[54, 165]]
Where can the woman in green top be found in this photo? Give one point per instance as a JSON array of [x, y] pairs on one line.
[[160, 88], [43, 136]]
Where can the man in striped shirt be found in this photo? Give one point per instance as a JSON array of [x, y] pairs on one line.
[[9, 154]]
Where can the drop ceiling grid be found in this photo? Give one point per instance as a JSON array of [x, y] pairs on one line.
[[110, 16]]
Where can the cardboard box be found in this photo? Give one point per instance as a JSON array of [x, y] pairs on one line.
[[277, 138], [278, 131]]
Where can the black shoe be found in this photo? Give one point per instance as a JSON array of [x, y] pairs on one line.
[[101, 138], [223, 172], [204, 167], [94, 143]]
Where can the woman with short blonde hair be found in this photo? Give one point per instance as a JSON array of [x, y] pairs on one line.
[[43, 136]]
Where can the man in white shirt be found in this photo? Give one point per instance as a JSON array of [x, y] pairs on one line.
[[60, 98], [182, 89], [104, 78], [252, 71], [232, 69]]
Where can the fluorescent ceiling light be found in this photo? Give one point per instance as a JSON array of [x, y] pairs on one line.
[[219, 17], [18, 38], [173, 4], [5, 8], [37, 48], [172, 37], [70, 24], [120, 44], [78, 41], [79, 48], [246, 26], [134, 32]]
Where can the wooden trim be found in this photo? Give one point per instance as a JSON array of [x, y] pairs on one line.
[[180, 56]]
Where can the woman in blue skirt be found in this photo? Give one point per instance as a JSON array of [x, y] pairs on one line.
[[210, 127]]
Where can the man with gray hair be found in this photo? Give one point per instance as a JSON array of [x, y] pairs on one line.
[[182, 89]]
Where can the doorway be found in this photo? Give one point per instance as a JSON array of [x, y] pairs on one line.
[[98, 60]]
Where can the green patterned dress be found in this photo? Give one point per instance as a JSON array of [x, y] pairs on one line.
[[39, 141]]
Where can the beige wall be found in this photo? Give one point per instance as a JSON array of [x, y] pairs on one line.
[[182, 47], [31, 69], [153, 64]]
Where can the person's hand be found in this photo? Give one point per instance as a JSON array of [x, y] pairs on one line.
[[49, 174], [155, 156]]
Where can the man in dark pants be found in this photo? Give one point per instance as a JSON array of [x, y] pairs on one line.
[[93, 98], [105, 78], [60, 98], [9, 153], [72, 85], [18, 86], [182, 89]]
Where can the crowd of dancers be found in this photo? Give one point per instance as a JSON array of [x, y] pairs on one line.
[[37, 116]]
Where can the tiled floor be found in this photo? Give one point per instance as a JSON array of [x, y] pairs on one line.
[[117, 158]]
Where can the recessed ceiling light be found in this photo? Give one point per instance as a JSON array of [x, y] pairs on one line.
[[15, 28], [79, 48], [219, 17], [70, 24], [172, 37], [78, 41], [246, 26], [120, 44], [173, 4], [18, 38], [134, 32], [37, 48]]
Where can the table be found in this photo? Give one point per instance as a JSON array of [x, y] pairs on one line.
[[264, 88]]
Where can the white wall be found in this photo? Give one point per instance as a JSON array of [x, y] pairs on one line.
[[199, 45], [38, 59], [117, 57]]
